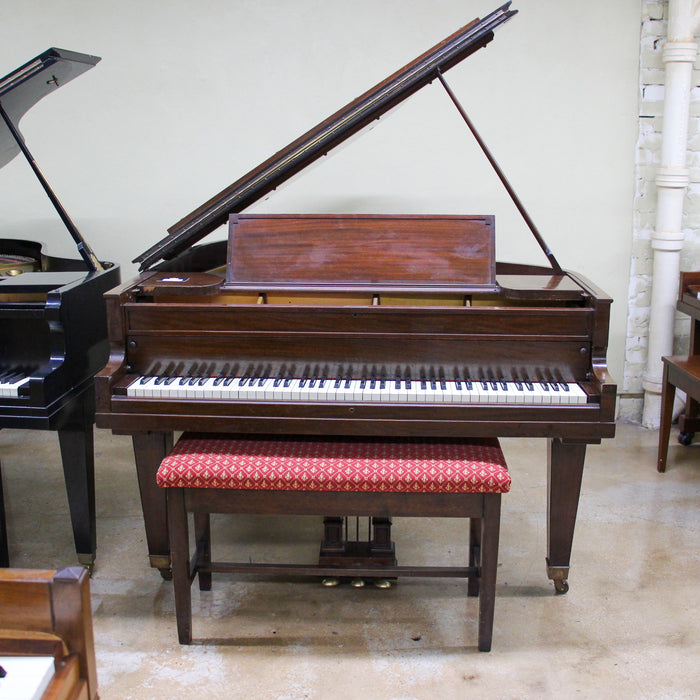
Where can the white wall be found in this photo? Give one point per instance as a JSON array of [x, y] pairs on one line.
[[190, 95]]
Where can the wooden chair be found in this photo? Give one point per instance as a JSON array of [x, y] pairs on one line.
[[48, 614], [682, 372], [206, 474]]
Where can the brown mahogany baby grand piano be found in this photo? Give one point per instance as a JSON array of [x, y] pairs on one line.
[[53, 333], [357, 325]]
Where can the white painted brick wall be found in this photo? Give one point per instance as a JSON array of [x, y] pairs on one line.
[[651, 95]]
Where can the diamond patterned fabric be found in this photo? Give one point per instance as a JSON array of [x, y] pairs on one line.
[[288, 464]]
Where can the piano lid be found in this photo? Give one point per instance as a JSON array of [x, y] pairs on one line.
[[26, 85], [325, 136]]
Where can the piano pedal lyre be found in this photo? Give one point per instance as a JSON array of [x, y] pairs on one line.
[[376, 552]]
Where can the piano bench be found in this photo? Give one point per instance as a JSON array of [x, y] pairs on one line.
[[285, 475]]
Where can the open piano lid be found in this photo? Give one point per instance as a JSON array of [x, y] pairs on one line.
[[22, 89], [26, 85], [325, 136]]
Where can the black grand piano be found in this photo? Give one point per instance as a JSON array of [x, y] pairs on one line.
[[53, 331], [357, 325]]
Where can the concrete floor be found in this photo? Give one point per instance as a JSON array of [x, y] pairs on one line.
[[628, 628]]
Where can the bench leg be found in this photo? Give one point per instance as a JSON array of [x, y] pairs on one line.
[[474, 554], [489, 565], [667, 396], [202, 536], [4, 550], [180, 562]]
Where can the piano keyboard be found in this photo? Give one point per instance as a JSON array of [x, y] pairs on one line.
[[353, 390], [10, 382]]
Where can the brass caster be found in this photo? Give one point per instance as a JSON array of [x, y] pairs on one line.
[[87, 561], [561, 586], [382, 583], [330, 581], [357, 583]]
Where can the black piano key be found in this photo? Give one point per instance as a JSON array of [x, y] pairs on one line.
[[289, 378]]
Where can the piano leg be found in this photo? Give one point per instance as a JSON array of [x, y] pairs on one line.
[[149, 451], [4, 550], [564, 473], [75, 437]]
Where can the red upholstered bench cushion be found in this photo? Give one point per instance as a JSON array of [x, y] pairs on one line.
[[290, 464]]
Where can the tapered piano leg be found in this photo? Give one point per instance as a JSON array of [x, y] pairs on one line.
[[149, 451], [4, 550], [76, 440], [565, 470]]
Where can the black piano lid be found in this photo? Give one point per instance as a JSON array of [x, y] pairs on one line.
[[25, 86], [325, 136]]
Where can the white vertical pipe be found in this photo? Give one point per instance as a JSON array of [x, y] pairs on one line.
[[671, 180]]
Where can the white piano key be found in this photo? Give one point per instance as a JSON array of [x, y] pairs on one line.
[[10, 389], [372, 391]]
